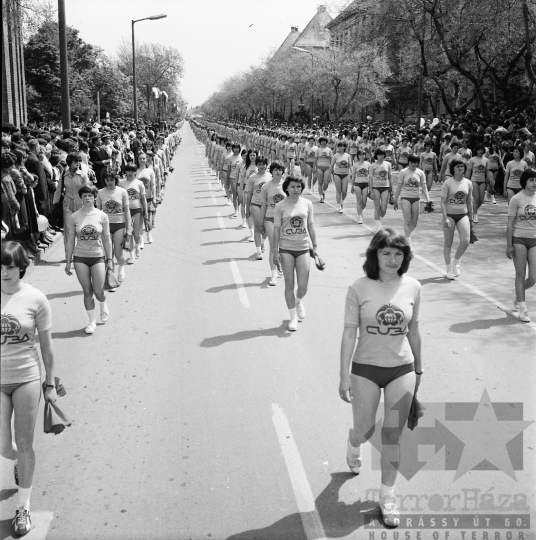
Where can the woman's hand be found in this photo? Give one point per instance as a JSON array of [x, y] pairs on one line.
[[110, 262], [50, 394], [352, 191], [510, 252], [277, 258], [395, 205], [417, 382], [345, 389], [68, 269]]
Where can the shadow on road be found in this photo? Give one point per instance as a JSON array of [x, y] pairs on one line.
[[216, 341], [6, 494], [216, 261], [232, 286], [67, 294], [70, 334], [222, 242], [439, 280], [338, 518], [484, 324], [211, 206]]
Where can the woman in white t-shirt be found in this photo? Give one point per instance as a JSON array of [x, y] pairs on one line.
[[384, 306], [25, 310], [92, 254], [293, 235], [521, 239]]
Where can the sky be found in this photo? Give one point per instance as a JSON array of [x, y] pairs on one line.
[[217, 38]]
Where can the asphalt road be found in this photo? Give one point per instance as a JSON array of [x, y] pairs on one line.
[[198, 415]]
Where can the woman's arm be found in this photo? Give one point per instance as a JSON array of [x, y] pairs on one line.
[[398, 189], [510, 236], [414, 338], [69, 246], [349, 337], [47, 353], [277, 236]]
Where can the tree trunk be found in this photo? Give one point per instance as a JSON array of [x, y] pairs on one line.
[[353, 96], [434, 112], [444, 98], [528, 53]]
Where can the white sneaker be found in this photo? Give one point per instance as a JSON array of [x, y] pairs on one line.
[[121, 274], [104, 315], [228, 202], [259, 256], [138, 251], [293, 325], [353, 458], [493, 201], [390, 513], [456, 269], [450, 272], [251, 238], [244, 225], [273, 281], [90, 328], [149, 238], [339, 210], [523, 316], [360, 220], [142, 245], [475, 218], [300, 310], [131, 259]]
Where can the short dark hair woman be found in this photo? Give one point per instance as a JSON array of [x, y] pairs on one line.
[[384, 306], [24, 310]]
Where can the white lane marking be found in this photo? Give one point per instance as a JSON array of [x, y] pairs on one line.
[[209, 185], [475, 290], [239, 284], [214, 199], [312, 525], [220, 221]]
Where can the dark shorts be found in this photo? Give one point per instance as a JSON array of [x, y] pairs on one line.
[[269, 219], [361, 185], [411, 199], [380, 189], [10, 388], [255, 204], [529, 243], [341, 176], [88, 261], [381, 376], [134, 211], [114, 227], [516, 190], [295, 254], [456, 217]]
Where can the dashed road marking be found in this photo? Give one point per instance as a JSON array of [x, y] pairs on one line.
[[242, 295], [312, 525], [220, 221]]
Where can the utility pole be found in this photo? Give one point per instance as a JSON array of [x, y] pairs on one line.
[[64, 68]]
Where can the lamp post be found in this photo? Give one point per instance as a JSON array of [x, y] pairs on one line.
[[299, 49], [152, 18], [64, 68]]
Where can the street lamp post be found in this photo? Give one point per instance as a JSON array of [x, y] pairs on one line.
[[312, 70], [153, 18]]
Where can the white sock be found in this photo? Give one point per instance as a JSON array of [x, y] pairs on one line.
[[522, 307], [409, 240], [298, 300], [121, 270], [293, 315], [274, 273], [387, 491], [91, 315], [378, 224], [455, 262], [23, 498], [103, 306], [259, 250]]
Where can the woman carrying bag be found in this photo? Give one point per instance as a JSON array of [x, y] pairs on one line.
[[24, 310]]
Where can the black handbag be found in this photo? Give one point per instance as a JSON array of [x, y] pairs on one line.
[[416, 411], [19, 233]]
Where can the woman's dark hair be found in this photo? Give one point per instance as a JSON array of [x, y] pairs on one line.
[[276, 164], [110, 174], [20, 155], [379, 152], [8, 160], [456, 162], [83, 146], [73, 156], [88, 188], [413, 158], [519, 149], [290, 179], [248, 157], [480, 147], [322, 139], [236, 145], [12, 253], [525, 175], [342, 143], [54, 159], [131, 167], [386, 238], [261, 159]]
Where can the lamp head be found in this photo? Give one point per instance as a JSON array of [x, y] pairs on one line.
[[154, 17]]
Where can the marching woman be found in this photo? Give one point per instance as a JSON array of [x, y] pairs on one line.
[[514, 170], [380, 184], [152, 205], [494, 164], [521, 240], [25, 310], [353, 146], [322, 166], [457, 209], [478, 173], [254, 201], [113, 201], [428, 163], [310, 157], [410, 181], [359, 174], [293, 233], [245, 169], [137, 204], [147, 176], [340, 165], [89, 229], [271, 194], [384, 306]]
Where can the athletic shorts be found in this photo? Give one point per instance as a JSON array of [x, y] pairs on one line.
[[269, 219], [295, 254], [411, 199], [456, 217], [400, 164], [480, 182], [255, 204], [361, 185], [529, 243], [516, 190], [381, 376], [380, 189], [88, 261], [323, 168], [10, 388], [134, 211], [341, 176], [114, 227]]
